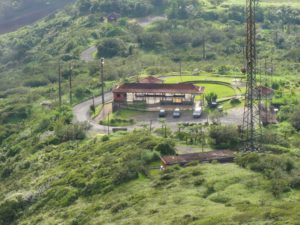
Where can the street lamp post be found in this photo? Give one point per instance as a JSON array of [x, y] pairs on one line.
[[102, 79]]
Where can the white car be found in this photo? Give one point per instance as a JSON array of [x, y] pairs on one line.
[[197, 112]]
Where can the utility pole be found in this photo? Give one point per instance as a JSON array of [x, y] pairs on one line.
[[70, 82], [108, 124], [265, 66], [203, 48], [94, 102], [180, 69], [59, 84], [102, 79], [251, 120]]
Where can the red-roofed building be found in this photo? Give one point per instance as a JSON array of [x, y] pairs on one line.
[[264, 92], [157, 93]]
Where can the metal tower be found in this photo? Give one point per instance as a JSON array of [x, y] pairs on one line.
[[251, 120]]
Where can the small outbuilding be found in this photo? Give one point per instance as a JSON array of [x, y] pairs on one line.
[[222, 156]]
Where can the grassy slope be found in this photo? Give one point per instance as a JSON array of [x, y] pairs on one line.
[[14, 16], [240, 197]]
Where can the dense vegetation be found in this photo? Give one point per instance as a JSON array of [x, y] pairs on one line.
[[53, 171], [15, 14]]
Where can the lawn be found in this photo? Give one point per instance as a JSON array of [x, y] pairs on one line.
[[178, 79], [267, 3], [221, 90]]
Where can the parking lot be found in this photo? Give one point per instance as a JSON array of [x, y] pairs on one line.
[[233, 116]]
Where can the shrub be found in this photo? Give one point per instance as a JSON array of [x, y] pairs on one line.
[[36, 82], [275, 148], [71, 131], [224, 136], [199, 182], [104, 138], [295, 118], [10, 210], [111, 47], [165, 149]]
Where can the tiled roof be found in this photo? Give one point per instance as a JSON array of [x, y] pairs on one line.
[[158, 88], [265, 90], [151, 79], [219, 155]]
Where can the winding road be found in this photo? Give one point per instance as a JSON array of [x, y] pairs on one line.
[[82, 112], [87, 55]]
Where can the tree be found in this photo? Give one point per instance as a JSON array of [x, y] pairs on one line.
[[211, 97], [151, 40], [295, 117], [165, 149], [224, 136], [111, 47]]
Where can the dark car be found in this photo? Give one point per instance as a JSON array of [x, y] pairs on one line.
[[176, 113], [162, 113]]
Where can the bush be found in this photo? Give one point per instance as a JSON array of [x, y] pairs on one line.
[[224, 136], [275, 148], [165, 149], [295, 118], [104, 138], [10, 210], [111, 47], [71, 131], [36, 82]]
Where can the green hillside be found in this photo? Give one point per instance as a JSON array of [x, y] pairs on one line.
[[56, 171], [15, 14]]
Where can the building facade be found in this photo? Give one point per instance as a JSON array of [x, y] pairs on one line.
[[157, 93]]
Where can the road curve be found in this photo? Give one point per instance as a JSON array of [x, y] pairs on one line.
[[87, 55], [82, 112]]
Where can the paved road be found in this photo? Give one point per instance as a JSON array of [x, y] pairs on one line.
[[82, 112], [87, 55], [148, 20]]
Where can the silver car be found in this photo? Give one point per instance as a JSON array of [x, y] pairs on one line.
[[197, 112], [176, 113]]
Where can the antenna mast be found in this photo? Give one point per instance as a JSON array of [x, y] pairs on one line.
[[251, 119]]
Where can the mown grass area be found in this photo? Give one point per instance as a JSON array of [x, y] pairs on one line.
[[179, 79], [201, 194], [267, 3], [221, 90]]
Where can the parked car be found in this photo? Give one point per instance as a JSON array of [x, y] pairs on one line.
[[176, 113], [162, 113], [197, 112]]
